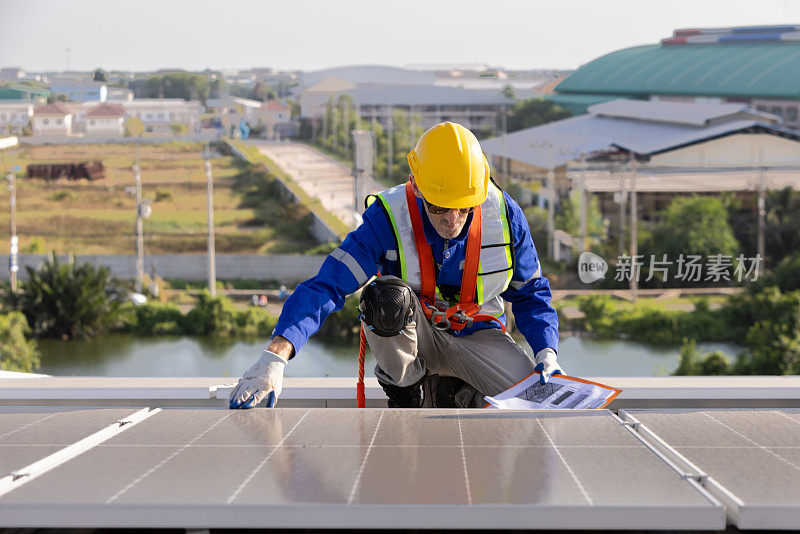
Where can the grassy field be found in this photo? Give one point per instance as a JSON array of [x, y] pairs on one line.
[[99, 217]]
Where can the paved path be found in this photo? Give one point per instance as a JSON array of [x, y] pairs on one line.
[[320, 176]]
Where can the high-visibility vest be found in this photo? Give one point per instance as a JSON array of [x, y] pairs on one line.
[[495, 264]]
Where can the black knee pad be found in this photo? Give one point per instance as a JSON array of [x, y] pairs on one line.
[[387, 306]]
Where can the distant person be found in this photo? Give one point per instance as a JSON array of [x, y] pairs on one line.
[[452, 247]]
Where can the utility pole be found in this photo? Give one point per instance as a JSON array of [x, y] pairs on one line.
[[390, 143], [551, 203], [137, 175], [622, 195], [504, 120], [762, 205], [13, 261], [634, 229], [212, 267], [551, 197], [334, 126], [584, 238]]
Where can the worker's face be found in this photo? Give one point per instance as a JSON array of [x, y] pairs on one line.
[[448, 224]]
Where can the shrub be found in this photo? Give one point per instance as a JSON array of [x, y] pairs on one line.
[[162, 195], [651, 325], [690, 362], [58, 196], [36, 246], [211, 316], [255, 322], [155, 318], [17, 352]]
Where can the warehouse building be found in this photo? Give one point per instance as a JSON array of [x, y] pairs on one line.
[[758, 66], [673, 148]]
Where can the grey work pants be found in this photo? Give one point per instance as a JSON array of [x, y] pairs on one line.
[[488, 360]]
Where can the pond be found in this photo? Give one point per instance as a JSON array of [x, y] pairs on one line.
[[123, 355]]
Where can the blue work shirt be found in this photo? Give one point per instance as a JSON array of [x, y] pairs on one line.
[[363, 254]]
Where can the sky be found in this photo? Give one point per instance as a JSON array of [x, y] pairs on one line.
[[143, 35]]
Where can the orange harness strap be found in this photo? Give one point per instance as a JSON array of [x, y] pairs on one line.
[[465, 312]]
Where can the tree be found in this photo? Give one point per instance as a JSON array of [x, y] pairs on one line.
[[178, 129], [693, 225], [782, 222], [133, 127], [569, 219], [67, 300], [17, 352], [263, 92], [100, 76], [534, 112], [183, 85]]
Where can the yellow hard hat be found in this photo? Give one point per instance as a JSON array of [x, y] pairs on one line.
[[449, 167]]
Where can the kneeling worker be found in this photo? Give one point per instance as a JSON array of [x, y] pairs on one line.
[[451, 247]]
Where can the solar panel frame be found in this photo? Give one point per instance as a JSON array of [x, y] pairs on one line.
[[712, 470], [554, 439]]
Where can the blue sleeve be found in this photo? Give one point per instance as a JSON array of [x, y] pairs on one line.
[[345, 270], [529, 291]]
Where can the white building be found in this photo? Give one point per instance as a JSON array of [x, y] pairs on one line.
[[52, 119], [118, 94], [80, 90], [479, 111], [105, 120], [157, 114], [14, 117]]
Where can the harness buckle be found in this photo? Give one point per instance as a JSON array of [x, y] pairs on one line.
[[462, 317], [439, 320]]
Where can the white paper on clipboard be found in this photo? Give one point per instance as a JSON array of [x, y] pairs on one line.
[[561, 392]]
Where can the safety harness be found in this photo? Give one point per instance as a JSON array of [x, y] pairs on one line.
[[462, 315], [465, 313]]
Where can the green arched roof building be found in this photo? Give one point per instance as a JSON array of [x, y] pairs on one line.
[[739, 64]]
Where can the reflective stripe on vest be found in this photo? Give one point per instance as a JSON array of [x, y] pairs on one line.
[[496, 263]]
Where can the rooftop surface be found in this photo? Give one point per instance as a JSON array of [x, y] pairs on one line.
[[643, 128], [738, 69]]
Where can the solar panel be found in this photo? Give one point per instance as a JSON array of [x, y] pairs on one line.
[[28, 434], [349, 468], [751, 458]]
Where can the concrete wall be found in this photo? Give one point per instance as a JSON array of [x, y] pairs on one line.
[[286, 268]]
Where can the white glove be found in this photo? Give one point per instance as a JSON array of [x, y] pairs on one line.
[[545, 361], [263, 378]]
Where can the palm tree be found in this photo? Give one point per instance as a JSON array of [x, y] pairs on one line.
[[67, 300]]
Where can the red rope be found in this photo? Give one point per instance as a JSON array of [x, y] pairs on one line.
[[361, 399]]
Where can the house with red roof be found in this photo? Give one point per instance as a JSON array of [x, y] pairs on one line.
[[52, 119], [105, 120], [274, 115]]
